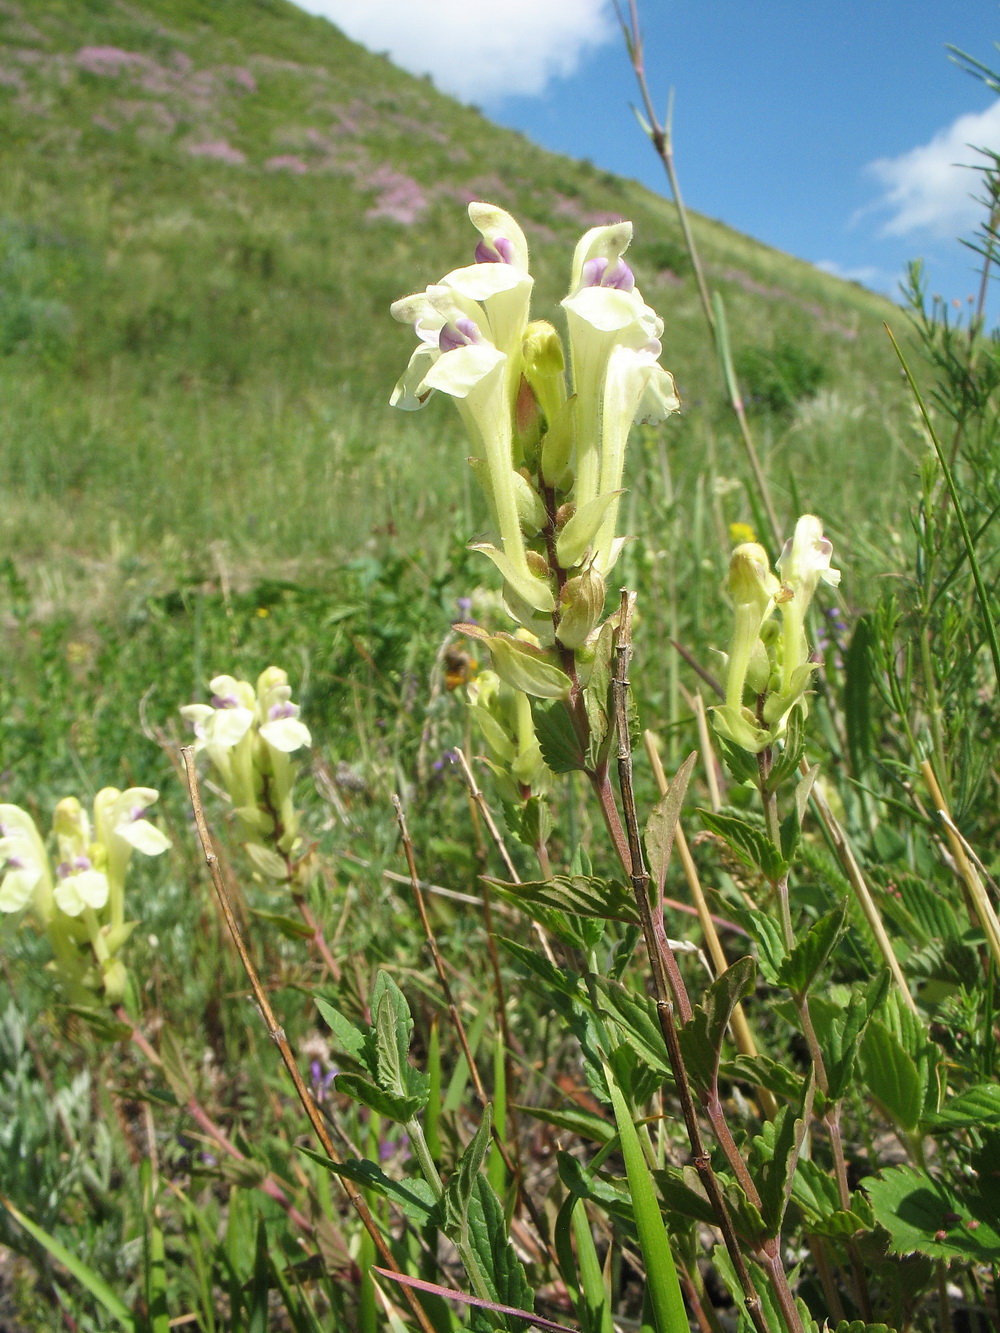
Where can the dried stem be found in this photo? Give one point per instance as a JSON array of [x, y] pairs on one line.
[[277, 1035]]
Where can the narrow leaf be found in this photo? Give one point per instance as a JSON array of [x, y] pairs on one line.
[[663, 821]]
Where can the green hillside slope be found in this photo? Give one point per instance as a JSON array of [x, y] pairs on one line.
[[206, 207]]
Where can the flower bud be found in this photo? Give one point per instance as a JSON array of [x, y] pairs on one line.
[[581, 605]]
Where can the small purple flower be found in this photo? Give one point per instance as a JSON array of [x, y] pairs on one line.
[[596, 273], [500, 251], [464, 605]]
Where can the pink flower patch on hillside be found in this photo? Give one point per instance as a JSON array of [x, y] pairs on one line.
[[400, 198], [109, 60], [286, 162], [219, 150]]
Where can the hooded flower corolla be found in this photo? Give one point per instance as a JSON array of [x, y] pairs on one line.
[[25, 876]]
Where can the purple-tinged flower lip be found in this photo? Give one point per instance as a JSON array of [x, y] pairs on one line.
[[225, 701], [462, 333], [597, 273], [499, 251], [13, 863], [64, 870], [82, 863], [278, 711]]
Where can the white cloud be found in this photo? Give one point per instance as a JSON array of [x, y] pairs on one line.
[[867, 275], [931, 188], [474, 50]]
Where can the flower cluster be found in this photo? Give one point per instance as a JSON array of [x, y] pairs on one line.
[[81, 904], [249, 736], [769, 669], [548, 445]]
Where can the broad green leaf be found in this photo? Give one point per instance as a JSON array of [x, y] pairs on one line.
[[579, 895], [663, 821], [778, 1147], [741, 764], [857, 696], [557, 736], [799, 970], [414, 1196], [760, 1071], [751, 844], [635, 1016], [924, 1214], [393, 1027], [500, 1265], [788, 760], [790, 832], [702, 1036], [891, 1076], [78, 1270], [393, 1106], [765, 931]]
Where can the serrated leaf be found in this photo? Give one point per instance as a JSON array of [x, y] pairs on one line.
[[702, 1036], [414, 1196], [741, 764], [662, 823], [790, 757], [979, 1105], [799, 970], [579, 895], [840, 1037], [458, 1192], [100, 1022], [349, 1038], [393, 1026], [859, 1326], [927, 1215], [789, 832], [488, 1239], [765, 932], [891, 1075], [779, 1145], [393, 1107], [760, 1071], [557, 736], [636, 1019], [751, 844]]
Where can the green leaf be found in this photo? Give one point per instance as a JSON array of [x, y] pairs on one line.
[[928, 1216], [891, 1076], [574, 1119], [175, 1069], [488, 1240], [979, 1105], [760, 1071], [857, 712], [702, 1036], [525, 668], [790, 757], [799, 970], [741, 764], [662, 1285], [859, 1326], [751, 844], [101, 1023], [414, 1196], [597, 697], [789, 833], [458, 1192], [765, 932], [635, 1016], [291, 927], [579, 895], [258, 1317], [393, 1106], [840, 1032], [778, 1145], [663, 821], [557, 736], [393, 1026], [349, 1038], [154, 1255], [87, 1278]]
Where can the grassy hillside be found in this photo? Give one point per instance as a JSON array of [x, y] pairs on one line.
[[206, 207]]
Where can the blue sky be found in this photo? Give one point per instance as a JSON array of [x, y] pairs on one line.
[[827, 129]]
